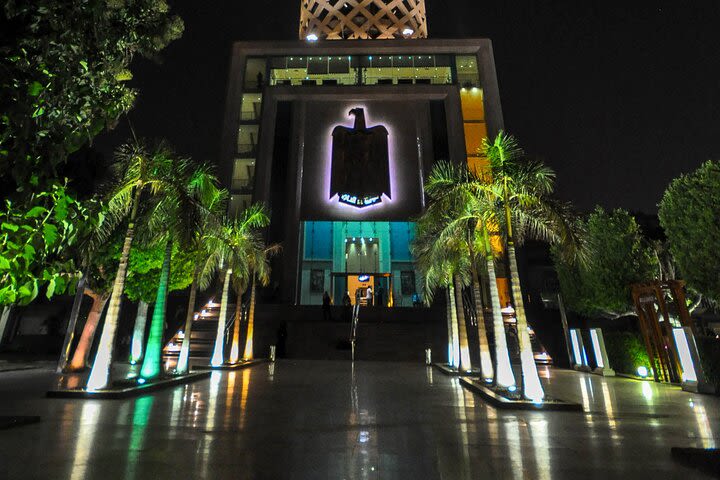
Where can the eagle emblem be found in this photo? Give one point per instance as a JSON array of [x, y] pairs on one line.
[[360, 163]]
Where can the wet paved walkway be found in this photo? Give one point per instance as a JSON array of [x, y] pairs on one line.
[[328, 420]]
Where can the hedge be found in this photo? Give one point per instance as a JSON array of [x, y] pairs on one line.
[[626, 352]]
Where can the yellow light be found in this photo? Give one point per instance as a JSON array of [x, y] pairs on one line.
[[647, 391]]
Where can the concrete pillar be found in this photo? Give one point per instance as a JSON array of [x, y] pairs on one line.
[[579, 356], [601, 357], [693, 378]]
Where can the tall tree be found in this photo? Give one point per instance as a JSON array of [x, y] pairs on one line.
[[102, 263], [177, 218], [454, 216], [436, 273], [523, 197], [66, 67], [689, 213], [245, 256], [65, 70], [142, 173], [615, 256], [211, 205]]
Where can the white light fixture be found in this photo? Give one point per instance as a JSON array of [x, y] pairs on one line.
[[312, 37], [686, 361], [407, 31]]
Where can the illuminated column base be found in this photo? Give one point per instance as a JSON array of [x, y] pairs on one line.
[[601, 357], [693, 378]]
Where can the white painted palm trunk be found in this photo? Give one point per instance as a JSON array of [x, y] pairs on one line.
[[138, 338], [4, 320], [465, 364], [484, 346], [184, 357], [100, 373], [454, 328], [504, 377], [219, 351], [450, 335], [532, 388]]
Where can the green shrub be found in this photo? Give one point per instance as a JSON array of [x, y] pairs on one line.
[[709, 350], [626, 352]]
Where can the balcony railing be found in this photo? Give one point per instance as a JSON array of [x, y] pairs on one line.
[[243, 183], [247, 150]]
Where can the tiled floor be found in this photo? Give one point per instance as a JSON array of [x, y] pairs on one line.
[[330, 420]]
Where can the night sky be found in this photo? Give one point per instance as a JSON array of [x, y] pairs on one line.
[[617, 97]]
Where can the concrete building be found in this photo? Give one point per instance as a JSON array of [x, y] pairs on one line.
[[340, 230]]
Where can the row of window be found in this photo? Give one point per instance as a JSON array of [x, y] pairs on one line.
[[362, 70], [349, 70]]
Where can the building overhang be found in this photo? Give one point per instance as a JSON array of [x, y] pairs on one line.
[[433, 46]]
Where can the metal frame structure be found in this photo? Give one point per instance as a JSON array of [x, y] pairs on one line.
[[362, 19]]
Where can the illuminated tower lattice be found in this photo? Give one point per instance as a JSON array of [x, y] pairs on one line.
[[362, 19]]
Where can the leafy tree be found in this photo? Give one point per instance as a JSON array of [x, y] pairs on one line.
[[616, 256], [32, 244], [65, 71], [141, 286], [144, 271], [689, 213], [65, 67]]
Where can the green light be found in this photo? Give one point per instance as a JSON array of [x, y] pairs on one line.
[[152, 364]]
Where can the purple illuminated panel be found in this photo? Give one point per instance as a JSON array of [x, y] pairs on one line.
[[404, 121]]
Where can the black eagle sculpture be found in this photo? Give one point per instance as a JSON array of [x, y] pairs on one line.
[[360, 163]]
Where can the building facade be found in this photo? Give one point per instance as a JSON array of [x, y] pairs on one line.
[[337, 137]]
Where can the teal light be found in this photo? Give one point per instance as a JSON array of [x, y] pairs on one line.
[[152, 365], [642, 371]]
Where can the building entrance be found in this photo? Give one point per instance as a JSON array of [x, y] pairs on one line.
[[356, 285], [347, 258]]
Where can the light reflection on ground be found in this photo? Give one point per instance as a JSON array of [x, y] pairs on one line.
[[303, 419]]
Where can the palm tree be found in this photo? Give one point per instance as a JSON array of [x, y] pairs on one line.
[[212, 203], [442, 261], [79, 359], [100, 261], [218, 357], [178, 216], [504, 377], [435, 271], [456, 212], [245, 257], [141, 172], [260, 270], [523, 190]]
